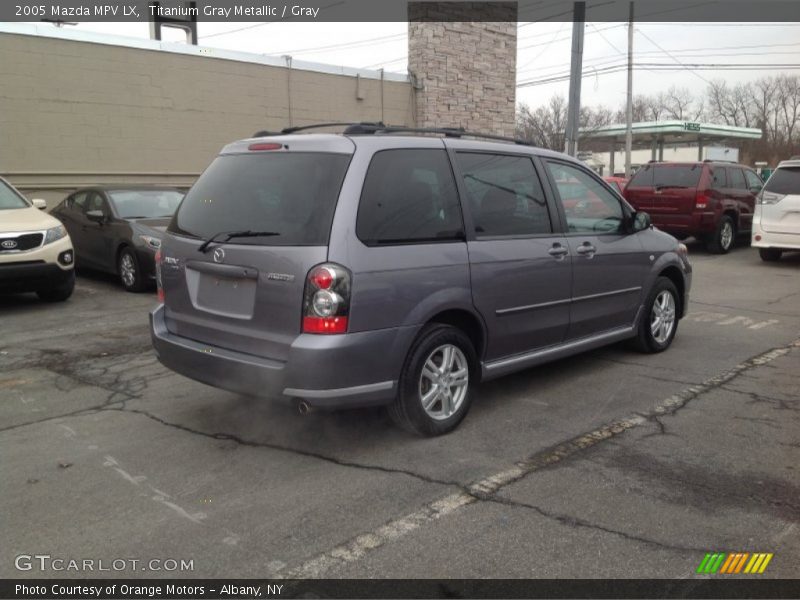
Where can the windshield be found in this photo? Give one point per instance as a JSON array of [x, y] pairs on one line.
[[784, 181], [145, 204], [10, 199], [292, 195]]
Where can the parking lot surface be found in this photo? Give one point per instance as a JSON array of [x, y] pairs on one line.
[[608, 464]]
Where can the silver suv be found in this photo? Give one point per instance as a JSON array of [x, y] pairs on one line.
[[400, 267]]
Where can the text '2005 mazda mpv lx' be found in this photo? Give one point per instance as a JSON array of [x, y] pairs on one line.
[[375, 267]]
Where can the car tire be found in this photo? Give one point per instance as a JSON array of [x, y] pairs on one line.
[[723, 238], [435, 366], [662, 301], [130, 274], [770, 254], [60, 293]]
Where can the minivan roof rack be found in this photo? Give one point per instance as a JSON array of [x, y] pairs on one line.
[[368, 127]]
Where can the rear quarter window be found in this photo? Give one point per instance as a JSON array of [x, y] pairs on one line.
[[291, 194]]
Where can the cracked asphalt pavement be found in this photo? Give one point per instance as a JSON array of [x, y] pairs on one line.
[[608, 464]]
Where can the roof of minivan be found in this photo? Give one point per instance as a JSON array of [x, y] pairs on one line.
[[347, 143], [789, 163]]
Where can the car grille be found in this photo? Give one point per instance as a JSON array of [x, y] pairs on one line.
[[19, 243]]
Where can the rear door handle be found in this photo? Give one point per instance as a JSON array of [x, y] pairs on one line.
[[558, 251], [586, 249]]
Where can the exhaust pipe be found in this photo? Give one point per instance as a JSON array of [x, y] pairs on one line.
[[304, 408]]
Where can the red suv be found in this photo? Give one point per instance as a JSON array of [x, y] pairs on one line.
[[711, 201]]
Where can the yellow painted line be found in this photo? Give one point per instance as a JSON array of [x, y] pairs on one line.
[[758, 563], [741, 563], [727, 563], [765, 563], [753, 560]]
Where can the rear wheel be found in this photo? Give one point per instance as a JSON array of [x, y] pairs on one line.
[[129, 272], [660, 321], [770, 254], [434, 389], [722, 240], [60, 293]]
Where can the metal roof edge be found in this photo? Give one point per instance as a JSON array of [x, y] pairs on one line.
[[90, 37]]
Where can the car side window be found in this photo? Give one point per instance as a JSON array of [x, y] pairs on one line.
[[505, 195], [96, 201], [409, 196], [736, 179], [588, 205], [718, 179], [753, 180], [77, 202]]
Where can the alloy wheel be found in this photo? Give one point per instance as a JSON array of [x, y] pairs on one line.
[[444, 382], [662, 316]]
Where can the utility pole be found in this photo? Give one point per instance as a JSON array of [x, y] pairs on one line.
[[629, 108], [576, 72]]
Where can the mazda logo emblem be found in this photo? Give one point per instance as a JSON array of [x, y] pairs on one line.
[[219, 255], [9, 244]]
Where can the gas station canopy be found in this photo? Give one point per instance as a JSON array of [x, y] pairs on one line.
[[656, 134]]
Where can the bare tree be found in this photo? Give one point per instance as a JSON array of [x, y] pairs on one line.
[[544, 126]]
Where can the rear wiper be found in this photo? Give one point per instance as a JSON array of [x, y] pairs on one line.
[[234, 234]]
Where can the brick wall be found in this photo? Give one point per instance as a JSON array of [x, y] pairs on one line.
[[76, 113], [465, 70]]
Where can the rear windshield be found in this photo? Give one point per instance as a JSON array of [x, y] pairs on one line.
[[10, 199], [145, 204], [290, 195], [667, 176], [784, 181]]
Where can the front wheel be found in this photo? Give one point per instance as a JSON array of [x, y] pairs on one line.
[[434, 388], [129, 272], [660, 321], [770, 254]]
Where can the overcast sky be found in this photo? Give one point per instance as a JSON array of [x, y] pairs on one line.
[[543, 50]]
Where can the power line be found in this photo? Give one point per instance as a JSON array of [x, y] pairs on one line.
[[668, 67], [642, 33], [376, 40]]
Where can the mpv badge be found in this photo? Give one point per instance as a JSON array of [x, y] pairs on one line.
[[9, 244], [219, 255]]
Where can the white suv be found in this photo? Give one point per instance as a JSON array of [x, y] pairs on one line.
[[35, 251], [776, 220]]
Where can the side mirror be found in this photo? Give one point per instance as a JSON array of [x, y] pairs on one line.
[[641, 221], [39, 203], [95, 215]]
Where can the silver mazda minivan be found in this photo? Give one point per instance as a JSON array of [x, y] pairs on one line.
[[400, 267]]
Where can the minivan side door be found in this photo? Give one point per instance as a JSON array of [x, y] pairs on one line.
[[609, 264], [519, 262]]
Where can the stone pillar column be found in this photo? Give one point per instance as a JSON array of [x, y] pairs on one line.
[[464, 64]]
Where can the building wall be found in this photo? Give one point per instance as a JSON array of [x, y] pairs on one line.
[[76, 113], [465, 71]]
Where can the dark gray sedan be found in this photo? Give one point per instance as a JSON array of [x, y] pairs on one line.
[[119, 229]]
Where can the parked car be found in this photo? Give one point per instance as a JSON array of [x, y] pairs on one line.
[[119, 229], [711, 201], [776, 222], [618, 183], [35, 251], [338, 270]]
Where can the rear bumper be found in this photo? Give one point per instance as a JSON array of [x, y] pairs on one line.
[[326, 371], [685, 225], [784, 241]]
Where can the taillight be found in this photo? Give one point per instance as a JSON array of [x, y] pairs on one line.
[[263, 146], [702, 200], [159, 282], [326, 299], [766, 197]]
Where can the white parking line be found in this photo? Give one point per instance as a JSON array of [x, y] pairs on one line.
[[394, 530], [727, 319]]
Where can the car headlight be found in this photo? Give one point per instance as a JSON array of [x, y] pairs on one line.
[[152, 242], [55, 233]]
